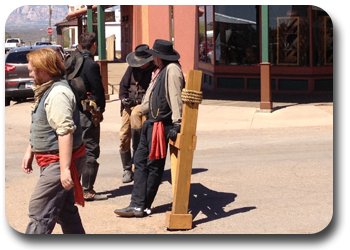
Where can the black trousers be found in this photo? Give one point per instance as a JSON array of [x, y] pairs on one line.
[[148, 173], [91, 138]]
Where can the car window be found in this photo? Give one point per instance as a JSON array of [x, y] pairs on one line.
[[44, 43], [18, 57], [12, 41]]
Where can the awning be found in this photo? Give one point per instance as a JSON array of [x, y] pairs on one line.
[[66, 23], [79, 13]]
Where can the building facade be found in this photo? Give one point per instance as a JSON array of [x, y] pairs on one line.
[[226, 43], [300, 47]]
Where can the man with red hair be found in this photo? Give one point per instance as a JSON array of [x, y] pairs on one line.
[[56, 143]]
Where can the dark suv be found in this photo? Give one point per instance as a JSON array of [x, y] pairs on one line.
[[18, 84]]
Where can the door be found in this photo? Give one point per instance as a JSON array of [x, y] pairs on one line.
[[126, 30]]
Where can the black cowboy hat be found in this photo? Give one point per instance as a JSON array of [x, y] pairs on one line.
[[164, 50], [139, 57]]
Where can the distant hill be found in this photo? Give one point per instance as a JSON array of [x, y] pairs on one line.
[[28, 16], [30, 22]]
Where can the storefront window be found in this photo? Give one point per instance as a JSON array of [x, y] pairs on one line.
[[205, 14], [322, 37], [289, 35], [201, 33], [236, 35], [209, 32]]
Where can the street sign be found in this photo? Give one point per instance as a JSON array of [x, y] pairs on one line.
[[49, 30]]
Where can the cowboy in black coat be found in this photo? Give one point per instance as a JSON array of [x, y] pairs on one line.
[[90, 74]]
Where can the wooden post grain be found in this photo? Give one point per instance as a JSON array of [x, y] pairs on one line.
[[181, 155]]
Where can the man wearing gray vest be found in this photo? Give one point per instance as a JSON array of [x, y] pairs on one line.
[[56, 143]]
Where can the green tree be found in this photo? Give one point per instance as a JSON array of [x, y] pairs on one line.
[[7, 35], [66, 38]]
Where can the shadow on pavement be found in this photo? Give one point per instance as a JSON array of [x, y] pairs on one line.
[[121, 191], [211, 203]]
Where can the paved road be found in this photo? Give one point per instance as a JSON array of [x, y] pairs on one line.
[[252, 173]]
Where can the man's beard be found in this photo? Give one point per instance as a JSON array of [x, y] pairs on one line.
[[38, 81]]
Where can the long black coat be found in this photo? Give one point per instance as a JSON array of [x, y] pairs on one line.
[[90, 74], [135, 83]]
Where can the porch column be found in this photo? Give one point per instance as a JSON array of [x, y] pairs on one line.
[[80, 27], [101, 32], [89, 19], [59, 36], [101, 41], [265, 66]]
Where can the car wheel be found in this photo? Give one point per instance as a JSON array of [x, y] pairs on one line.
[[7, 101], [20, 99]]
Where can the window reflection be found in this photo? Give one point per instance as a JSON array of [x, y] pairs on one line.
[[205, 14], [289, 35], [232, 38], [201, 33], [208, 46], [236, 35], [322, 37]]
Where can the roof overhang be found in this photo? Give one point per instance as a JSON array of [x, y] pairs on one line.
[[66, 23], [79, 13]]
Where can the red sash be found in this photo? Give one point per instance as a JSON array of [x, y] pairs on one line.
[[158, 149], [45, 159]]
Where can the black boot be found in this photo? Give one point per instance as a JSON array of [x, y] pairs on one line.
[[128, 175], [130, 212], [88, 179]]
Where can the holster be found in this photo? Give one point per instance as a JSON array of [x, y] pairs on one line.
[[90, 106]]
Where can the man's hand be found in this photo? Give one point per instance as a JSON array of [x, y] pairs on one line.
[[97, 117], [128, 102], [66, 179], [27, 160], [174, 131]]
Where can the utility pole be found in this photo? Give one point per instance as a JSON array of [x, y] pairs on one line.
[[50, 13]]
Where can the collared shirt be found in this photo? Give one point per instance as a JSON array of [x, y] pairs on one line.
[[173, 87], [59, 106]]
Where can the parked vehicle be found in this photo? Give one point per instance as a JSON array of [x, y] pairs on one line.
[[18, 84], [42, 43], [12, 43]]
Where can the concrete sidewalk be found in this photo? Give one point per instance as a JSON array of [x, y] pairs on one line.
[[233, 111], [212, 117]]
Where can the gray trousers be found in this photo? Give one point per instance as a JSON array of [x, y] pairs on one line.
[[50, 203]]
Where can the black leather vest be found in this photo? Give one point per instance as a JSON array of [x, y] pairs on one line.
[[159, 109]]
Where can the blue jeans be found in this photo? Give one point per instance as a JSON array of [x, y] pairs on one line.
[[50, 203]]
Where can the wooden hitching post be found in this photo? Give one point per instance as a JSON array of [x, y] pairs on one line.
[[181, 154]]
